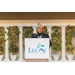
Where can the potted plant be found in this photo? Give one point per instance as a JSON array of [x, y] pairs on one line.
[[13, 37], [27, 33], [56, 41], [2, 42], [45, 30], [70, 31]]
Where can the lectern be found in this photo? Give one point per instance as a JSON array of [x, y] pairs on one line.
[[37, 49]]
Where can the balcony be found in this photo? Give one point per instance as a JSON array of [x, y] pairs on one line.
[[33, 23]]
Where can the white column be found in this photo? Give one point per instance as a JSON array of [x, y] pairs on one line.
[[34, 27], [6, 46], [49, 29], [63, 43], [20, 45]]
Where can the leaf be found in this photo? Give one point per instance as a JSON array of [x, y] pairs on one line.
[[69, 35], [56, 39]]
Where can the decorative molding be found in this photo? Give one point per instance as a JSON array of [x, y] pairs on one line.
[[35, 22]]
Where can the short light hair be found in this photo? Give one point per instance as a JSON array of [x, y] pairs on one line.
[[39, 25]]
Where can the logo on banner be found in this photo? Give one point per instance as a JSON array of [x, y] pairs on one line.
[[38, 49]]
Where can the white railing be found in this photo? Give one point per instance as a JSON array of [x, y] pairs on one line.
[[20, 26]]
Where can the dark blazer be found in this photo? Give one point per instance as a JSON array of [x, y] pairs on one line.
[[44, 35]]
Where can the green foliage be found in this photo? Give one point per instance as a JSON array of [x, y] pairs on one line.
[[38, 23], [2, 40], [45, 30], [70, 31], [13, 37], [56, 39], [27, 33]]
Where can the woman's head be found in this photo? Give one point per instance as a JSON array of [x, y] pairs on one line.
[[40, 28]]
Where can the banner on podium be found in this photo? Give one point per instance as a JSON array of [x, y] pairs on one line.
[[36, 48]]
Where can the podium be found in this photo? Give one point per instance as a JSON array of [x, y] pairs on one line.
[[37, 49]]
